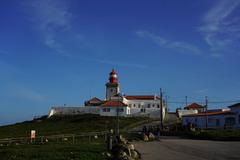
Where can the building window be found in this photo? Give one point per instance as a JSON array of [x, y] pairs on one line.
[[130, 105], [120, 109], [195, 120], [143, 110], [229, 121], [149, 105], [158, 106], [153, 105], [134, 105], [106, 109], [139, 105]]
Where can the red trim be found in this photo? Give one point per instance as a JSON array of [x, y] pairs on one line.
[[209, 114], [193, 106]]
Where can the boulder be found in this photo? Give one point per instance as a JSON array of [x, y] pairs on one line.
[[122, 140], [145, 138], [134, 154], [151, 136]]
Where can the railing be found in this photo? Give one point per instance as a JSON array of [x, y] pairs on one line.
[[60, 138]]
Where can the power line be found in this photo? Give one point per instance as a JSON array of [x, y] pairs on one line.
[[209, 102]]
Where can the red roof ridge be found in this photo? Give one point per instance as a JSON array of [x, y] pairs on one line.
[[193, 106], [141, 97], [112, 103]]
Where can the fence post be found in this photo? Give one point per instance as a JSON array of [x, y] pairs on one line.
[[89, 138], [42, 139], [109, 142], [73, 139], [105, 138]]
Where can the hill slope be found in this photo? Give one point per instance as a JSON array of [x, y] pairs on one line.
[[66, 125]]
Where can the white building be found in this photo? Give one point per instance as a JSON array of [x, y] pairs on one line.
[[219, 119], [137, 105], [236, 109], [193, 108]]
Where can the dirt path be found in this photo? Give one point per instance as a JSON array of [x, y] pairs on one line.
[[183, 149]]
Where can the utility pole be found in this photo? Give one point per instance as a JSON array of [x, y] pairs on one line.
[[166, 103], [186, 100], [161, 109], [206, 108]]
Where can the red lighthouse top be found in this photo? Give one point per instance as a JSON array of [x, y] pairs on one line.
[[113, 77]]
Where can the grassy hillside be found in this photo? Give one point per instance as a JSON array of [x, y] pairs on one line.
[[60, 150], [67, 125]]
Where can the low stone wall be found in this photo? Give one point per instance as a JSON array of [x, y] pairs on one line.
[[73, 110]]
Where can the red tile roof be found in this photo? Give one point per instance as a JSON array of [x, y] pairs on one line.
[[193, 106], [142, 97], [112, 103], [95, 100], [209, 114]]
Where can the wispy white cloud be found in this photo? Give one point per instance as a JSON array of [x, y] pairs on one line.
[[26, 93], [119, 64], [221, 27], [52, 18], [180, 46], [52, 14]]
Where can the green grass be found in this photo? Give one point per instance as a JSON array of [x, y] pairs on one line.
[[221, 135], [227, 135], [80, 151], [59, 150], [67, 125]]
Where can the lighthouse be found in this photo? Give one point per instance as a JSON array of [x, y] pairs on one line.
[[112, 86]]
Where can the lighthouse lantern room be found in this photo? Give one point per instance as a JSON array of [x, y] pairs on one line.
[[112, 87]]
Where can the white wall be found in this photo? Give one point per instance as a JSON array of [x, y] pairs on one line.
[[144, 106], [73, 110], [200, 121], [186, 112]]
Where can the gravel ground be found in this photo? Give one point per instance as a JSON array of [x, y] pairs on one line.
[[184, 149]]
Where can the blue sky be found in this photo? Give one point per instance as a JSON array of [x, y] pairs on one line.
[[55, 52]]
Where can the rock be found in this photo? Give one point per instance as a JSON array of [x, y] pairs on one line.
[[122, 139], [151, 136], [145, 138], [131, 146], [134, 154], [122, 155], [107, 155]]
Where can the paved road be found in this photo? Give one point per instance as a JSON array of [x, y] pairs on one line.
[[184, 149]]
